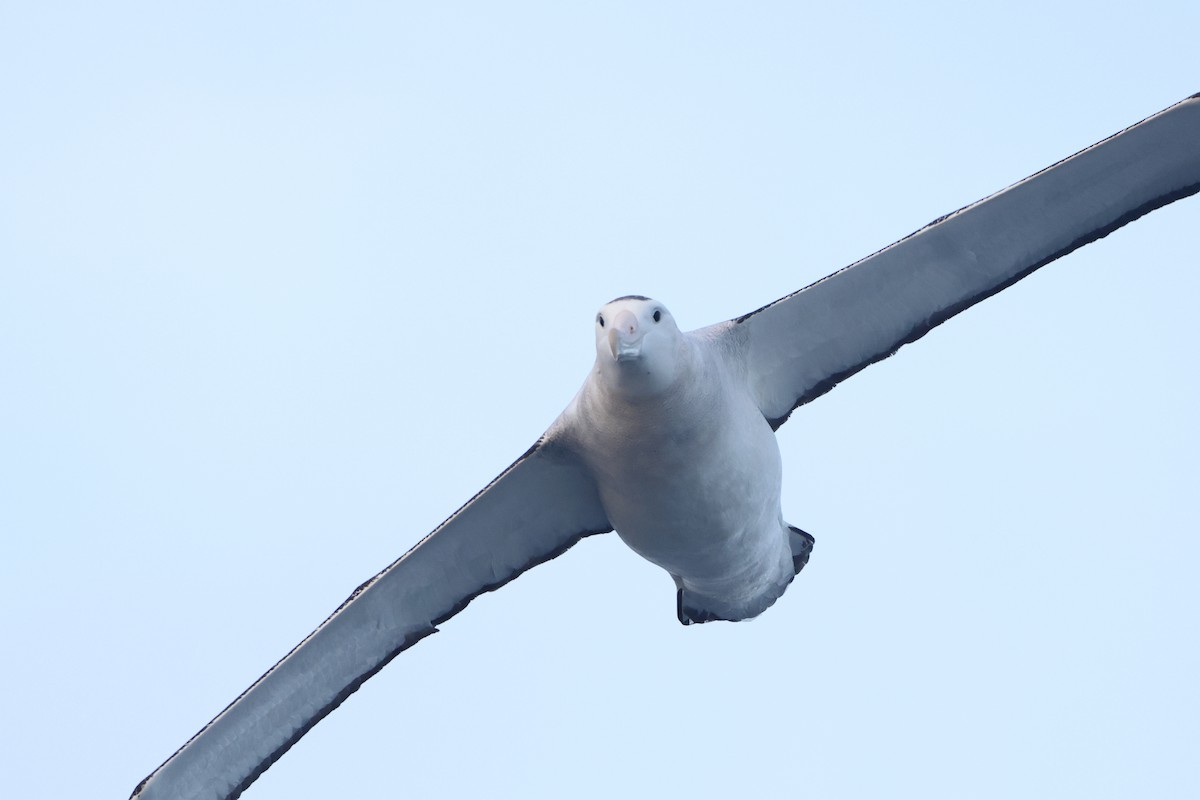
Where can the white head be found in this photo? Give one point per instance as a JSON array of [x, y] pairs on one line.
[[639, 348]]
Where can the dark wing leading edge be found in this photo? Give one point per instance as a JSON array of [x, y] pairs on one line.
[[801, 346], [534, 511]]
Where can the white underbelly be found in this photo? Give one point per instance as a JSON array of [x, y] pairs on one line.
[[703, 504]]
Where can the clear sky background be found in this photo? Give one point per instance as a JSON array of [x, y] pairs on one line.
[[283, 284]]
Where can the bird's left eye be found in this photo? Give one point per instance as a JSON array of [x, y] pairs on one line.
[[657, 315], [600, 319]]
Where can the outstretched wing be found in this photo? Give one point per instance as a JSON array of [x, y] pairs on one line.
[[801, 346], [536, 509]]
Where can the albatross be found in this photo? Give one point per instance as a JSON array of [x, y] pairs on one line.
[[670, 441]]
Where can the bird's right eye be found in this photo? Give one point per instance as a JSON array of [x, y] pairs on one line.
[[600, 319]]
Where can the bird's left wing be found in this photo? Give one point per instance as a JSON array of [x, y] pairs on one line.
[[536, 509], [801, 346]]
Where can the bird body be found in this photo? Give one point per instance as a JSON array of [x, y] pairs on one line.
[[687, 468]]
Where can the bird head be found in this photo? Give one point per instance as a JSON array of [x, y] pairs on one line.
[[639, 348]]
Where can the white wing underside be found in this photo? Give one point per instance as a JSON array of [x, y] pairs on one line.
[[799, 347], [790, 351], [534, 511]]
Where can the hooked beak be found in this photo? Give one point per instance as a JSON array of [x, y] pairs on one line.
[[624, 338]]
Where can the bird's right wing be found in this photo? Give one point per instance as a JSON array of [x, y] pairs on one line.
[[801, 346], [535, 510]]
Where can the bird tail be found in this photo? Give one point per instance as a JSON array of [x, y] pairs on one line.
[[692, 608]]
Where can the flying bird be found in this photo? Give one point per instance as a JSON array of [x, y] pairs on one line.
[[670, 441]]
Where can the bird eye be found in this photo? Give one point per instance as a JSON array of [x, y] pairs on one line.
[[657, 315], [600, 319]]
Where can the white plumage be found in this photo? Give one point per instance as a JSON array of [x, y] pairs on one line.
[[669, 440]]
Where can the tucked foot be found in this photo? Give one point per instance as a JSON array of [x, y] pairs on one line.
[[689, 616], [802, 545]]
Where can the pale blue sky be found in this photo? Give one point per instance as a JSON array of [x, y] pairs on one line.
[[282, 286]]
